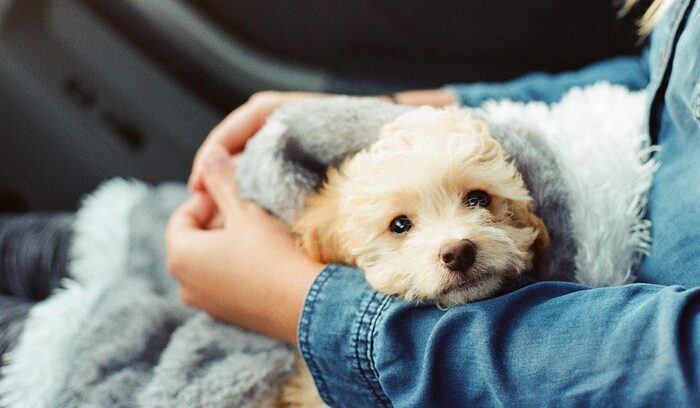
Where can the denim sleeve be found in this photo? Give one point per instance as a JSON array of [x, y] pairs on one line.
[[545, 344], [539, 86], [338, 318]]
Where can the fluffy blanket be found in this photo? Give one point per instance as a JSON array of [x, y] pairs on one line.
[[117, 335]]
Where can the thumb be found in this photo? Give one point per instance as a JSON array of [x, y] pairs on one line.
[[219, 180]]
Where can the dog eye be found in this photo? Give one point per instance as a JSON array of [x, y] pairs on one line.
[[400, 224], [477, 198]]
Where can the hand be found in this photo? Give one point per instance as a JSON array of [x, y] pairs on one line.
[[245, 269], [240, 125]]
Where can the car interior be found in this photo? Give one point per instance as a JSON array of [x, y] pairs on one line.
[[96, 89]]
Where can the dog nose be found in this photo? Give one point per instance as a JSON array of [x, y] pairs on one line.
[[458, 256]]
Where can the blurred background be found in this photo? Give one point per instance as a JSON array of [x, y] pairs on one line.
[[92, 89]]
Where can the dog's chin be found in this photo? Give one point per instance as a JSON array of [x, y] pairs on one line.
[[469, 290]]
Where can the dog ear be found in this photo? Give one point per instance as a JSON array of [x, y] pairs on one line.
[[525, 217], [317, 227]]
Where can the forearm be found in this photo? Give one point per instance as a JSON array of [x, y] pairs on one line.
[[235, 261], [277, 314], [267, 298], [537, 86], [546, 344]]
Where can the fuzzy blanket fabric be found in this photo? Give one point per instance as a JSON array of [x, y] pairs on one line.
[[117, 334]]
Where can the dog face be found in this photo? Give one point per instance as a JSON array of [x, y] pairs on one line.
[[432, 211]]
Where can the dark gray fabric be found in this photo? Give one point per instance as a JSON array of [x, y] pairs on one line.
[[33, 257], [13, 311], [421, 43], [33, 253]]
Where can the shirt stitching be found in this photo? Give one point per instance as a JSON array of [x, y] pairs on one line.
[[304, 328], [370, 335], [696, 97], [364, 363]]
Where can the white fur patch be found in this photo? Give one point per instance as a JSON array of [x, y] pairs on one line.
[[599, 135]]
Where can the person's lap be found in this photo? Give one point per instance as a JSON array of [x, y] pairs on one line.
[[34, 248]]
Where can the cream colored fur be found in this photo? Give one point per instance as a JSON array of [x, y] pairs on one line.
[[423, 165]]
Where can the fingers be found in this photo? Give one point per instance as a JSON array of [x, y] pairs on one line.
[[193, 214], [218, 176], [240, 125], [231, 134], [217, 222], [185, 235]]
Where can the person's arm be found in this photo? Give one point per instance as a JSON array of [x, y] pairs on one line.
[[545, 344], [628, 71], [549, 88], [235, 261]]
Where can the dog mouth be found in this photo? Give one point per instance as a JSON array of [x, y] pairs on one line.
[[463, 283]]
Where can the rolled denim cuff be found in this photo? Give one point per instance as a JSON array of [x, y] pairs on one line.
[[336, 337]]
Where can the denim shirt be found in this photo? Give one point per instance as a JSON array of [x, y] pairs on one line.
[[545, 343]]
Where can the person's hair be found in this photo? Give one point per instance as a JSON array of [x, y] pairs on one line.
[[651, 16]]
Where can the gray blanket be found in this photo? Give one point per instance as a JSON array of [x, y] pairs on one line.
[[117, 334]]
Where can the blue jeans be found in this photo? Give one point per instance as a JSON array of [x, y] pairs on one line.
[[547, 343]]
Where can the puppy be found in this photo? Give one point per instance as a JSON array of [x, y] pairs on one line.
[[433, 211]]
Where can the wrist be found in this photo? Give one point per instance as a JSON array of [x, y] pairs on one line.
[[278, 315]]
